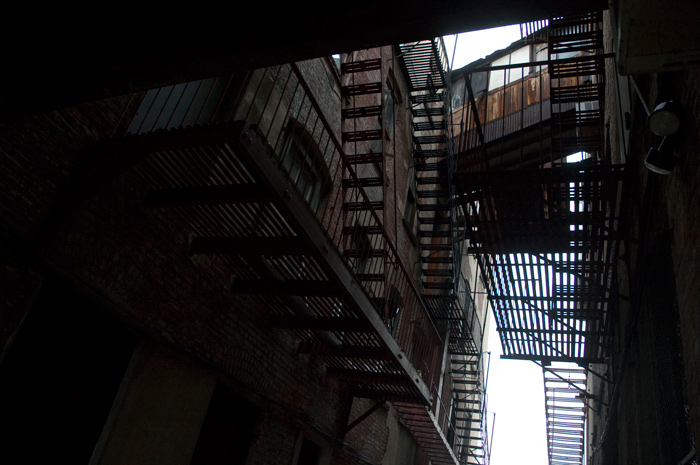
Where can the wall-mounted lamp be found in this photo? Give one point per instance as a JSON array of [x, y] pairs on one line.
[[664, 120], [661, 160]]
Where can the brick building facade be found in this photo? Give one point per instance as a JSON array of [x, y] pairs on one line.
[[198, 252], [234, 269]]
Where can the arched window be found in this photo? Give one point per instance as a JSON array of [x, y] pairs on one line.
[[304, 164]]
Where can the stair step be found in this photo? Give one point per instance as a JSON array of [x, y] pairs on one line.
[[467, 391], [363, 253], [361, 65], [578, 42], [430, 87], [569, 21], [429, 111], [362, 89], [445, 273], [464, 409], [430, 153], [431, 180], [443, 247], [362, 230], [588, 67], [433, 233], [429, 126], [588, 92], [431, 139], [363, 206], [361, 112], [371, 277], [447, 285], [440, 167], [437, 259], [435, 220], [431, 97], [568, 120], [359, 136], [433, 207], [363, 158], [364, 182], [579, 144], [468, 429], [433, 194]]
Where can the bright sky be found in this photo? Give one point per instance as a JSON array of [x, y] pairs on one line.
[[515, 388], [474, 45]]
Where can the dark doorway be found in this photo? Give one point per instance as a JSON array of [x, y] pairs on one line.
[[59, 379], [227, 431]]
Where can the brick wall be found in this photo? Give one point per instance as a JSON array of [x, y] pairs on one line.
[[682, 201]]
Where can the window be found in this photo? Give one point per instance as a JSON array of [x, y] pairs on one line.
[[393, 311], [180, 105], [458, 93], [409, 213], [361, 245], [304, 164], [501, 77]]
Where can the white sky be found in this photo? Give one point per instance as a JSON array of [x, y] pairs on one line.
[[477, 44], [515, 388]]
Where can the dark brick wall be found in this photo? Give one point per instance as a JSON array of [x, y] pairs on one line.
[[682, 201], [662, 220]]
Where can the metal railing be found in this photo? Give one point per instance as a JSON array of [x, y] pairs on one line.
[[281, 106]]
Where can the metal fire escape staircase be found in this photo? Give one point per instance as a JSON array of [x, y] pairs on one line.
[[363, 139], [440, 242], [546, 229], [576, 85], [577, 92], [363, 144]]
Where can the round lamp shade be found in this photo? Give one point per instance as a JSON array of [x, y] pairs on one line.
[[664, 120], [659, 161]]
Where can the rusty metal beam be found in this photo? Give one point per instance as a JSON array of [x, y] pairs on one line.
[[362, 417]]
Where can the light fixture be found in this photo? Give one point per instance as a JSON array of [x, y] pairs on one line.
[[664, 120], [661, 160]]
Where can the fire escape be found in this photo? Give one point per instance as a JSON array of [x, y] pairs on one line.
[[255, 179], [545, 227], [448, 298], [363, 144]]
